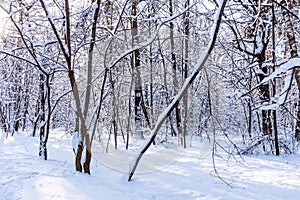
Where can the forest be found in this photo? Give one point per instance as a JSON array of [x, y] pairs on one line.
[[162, 73]]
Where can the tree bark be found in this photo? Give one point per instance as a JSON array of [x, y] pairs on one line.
[[186, 68], [274, 112], [42, 147]]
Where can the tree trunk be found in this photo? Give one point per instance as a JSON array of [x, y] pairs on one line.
[[186, 68], [78, 156], [274, 114], [82, 129], [43, 147], [174, 72], [264, 88], [88, 155], [136, 65]]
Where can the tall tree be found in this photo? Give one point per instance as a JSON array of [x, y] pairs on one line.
[[136, 64], [186, 23], [174, 71]]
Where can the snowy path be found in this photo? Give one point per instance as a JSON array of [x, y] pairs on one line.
[[24, 176]]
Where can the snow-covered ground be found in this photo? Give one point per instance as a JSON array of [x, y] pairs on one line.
[[24, 176]]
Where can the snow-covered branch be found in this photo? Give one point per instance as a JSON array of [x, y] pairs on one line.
[[64, 48], [286, 69], [291, 64], [18, 57], [151, 39]]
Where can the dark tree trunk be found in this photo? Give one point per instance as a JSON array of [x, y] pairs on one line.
[[78, 156], [264, 93], [88, 155], [274, 114], [43, 147]]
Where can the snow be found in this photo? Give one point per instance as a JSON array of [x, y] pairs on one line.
[[24, 176]]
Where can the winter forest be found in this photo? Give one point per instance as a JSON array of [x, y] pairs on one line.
[[110, 78]]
